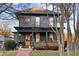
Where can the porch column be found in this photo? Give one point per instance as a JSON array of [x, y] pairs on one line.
[[46, 38], [37, 37], [32, 40], [17, 39], [51, 36]]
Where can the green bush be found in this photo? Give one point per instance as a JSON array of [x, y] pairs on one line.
[[10, 45]]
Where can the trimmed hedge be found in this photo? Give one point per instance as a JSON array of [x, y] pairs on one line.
[[10, 45]]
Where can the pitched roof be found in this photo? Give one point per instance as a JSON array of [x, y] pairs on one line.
[[33, 9], [36, 10]]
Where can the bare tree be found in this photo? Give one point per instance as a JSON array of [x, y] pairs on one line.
[[76, 28], [62, 27], [4, 7], [67, 15], [66, 10]]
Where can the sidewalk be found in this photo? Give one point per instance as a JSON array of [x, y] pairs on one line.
[[24, 52]]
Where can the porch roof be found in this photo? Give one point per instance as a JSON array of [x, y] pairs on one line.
[[39, 14], [36, 29]]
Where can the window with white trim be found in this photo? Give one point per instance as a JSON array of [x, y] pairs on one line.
[[51, 21], [37, 21], [27, 20]]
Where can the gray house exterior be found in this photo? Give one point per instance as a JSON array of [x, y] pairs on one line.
[[34, 26]]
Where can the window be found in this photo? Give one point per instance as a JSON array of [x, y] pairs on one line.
[[37, 21], [51, 21], [27, 20]]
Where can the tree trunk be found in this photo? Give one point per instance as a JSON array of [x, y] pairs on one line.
[[75, 39], [77, 24], [62, 28], [62, 33], [68, 37]]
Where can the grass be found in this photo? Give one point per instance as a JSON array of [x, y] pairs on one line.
[[44, 53], [50, 53], [8, 53], [37, 53]]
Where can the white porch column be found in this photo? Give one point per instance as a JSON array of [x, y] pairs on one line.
[[37, 37], [32, 40], [51, 36]]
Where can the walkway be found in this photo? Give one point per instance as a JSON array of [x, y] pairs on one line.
[[24, 52]]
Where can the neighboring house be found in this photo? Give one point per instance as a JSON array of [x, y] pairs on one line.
[[34, 26], [1, 41]]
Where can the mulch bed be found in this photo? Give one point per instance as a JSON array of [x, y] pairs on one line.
[[47, 48], [54, 48]]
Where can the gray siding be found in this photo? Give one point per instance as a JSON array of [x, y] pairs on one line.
[[21, 38], [44, 22], [16, 37], [31, 23]]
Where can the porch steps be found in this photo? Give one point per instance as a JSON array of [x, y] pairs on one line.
[[24, 52]]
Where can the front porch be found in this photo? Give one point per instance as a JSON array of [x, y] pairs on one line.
[[31, 36], [32, 39]]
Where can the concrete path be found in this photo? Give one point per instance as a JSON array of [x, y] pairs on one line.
[[24, 52]]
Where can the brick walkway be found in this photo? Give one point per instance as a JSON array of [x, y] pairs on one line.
[[24, 52]]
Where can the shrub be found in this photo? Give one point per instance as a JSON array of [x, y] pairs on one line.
[[9, 44]]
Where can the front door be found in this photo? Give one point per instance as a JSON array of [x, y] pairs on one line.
[[27, 42]]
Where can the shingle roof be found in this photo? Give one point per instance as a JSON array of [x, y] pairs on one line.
[[36, 10]]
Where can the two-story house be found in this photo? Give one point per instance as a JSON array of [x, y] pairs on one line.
[[34, 26]]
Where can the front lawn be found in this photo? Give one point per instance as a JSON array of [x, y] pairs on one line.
[[50, 53], [37, 53], [7, 53], [44, 53]]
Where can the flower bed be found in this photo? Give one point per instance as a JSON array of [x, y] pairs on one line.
[[43, 46]]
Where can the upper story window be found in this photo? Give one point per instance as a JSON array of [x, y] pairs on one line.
[[51, 21], [27, 20], [37, 21]]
